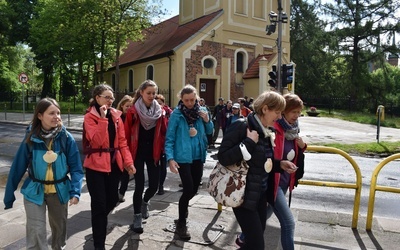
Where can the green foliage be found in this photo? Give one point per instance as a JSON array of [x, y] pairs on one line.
[[381, 149]]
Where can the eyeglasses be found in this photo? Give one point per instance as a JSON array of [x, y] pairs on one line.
[[108, 98]]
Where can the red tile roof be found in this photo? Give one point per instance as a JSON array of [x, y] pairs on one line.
[[164, 38], [253, 71]]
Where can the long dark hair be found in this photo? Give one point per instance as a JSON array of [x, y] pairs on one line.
[[36, 123], [98, 90]]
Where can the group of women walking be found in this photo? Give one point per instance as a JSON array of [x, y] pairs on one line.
[[141, 132]]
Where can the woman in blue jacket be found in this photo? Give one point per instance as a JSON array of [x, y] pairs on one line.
[[186, 149], [51, 157]]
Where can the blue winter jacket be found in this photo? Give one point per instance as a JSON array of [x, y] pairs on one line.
[[178, 143], [68, 162]]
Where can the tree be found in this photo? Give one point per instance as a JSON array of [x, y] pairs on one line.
[[357, 26], [308, 42]]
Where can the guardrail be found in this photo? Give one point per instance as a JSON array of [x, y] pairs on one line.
[[357, 185], [374, 187]]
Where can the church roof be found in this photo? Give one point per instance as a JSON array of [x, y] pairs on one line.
[[253, 71], [163, 39]]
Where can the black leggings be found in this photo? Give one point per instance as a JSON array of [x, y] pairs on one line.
[[153, 173], [103, 190], [253, 223], [190, 176], [163, 169]]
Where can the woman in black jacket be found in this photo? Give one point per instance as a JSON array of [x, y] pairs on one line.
[[253, 141]]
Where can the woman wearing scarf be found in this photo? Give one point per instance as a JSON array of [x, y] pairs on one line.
[[51, 157], [145, 128], [291, 147], [109, 155], [253, 141], [186, 149]]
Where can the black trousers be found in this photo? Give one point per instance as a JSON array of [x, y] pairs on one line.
[[163, 169], [253, 224], [153, 173], [190, 176], [124, 182], [103, 190]]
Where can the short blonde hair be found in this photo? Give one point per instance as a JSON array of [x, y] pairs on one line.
[[273, 100]]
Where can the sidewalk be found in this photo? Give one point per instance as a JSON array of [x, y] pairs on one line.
[[209, 228]]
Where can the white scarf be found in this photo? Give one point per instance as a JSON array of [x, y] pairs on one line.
[[267, 131], [148, 116]]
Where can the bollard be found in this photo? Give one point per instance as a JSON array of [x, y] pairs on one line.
[[5, 111], [69, 117]]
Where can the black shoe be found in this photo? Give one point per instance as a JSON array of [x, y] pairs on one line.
[[182, 231], [138, 230], [239, 241], [161, 190]]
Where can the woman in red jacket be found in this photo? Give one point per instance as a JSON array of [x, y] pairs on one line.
[[106, 159], [145, 128]]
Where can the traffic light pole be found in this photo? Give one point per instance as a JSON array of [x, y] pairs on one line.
[[279, 46]]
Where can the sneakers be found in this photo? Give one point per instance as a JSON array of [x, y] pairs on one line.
[[240, 240], [182, 231], [121, 197], [145, 210], [137, 224], [161, 190]]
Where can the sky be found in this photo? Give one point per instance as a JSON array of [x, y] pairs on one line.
[[172, 7]]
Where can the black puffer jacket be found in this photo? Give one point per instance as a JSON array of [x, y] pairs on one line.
[[230, 153]]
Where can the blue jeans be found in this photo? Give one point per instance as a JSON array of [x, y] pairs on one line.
[[282, 211]]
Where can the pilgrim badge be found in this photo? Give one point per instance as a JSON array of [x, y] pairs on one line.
[[268, 165], [192, 132], [50, 156]]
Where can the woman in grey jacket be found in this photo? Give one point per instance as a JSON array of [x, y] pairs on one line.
[[186, 149]]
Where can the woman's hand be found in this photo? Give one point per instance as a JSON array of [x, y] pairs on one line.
[[252, 135], [300, 142], [73, 201], [204, 115], [288, 166], [173, 166], [131, 169], [103, 111]]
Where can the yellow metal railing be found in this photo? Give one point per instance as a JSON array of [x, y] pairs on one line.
[[374, 187], [357, 186]]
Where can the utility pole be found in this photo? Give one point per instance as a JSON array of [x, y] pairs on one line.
[[279, 46], [277, 20]]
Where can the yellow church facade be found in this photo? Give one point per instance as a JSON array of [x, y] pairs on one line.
[[218, 46]]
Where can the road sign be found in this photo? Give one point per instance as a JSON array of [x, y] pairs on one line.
[[23, 78]]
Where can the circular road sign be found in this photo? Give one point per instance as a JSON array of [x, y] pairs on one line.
[[23, 78]]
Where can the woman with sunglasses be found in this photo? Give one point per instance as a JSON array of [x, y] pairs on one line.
[[108, 156]]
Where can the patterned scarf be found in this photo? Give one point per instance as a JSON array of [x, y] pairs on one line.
[[191, 115], [47, 134], [148, 116], [291, 130]]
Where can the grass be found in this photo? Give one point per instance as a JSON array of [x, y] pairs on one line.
[[381, 149]]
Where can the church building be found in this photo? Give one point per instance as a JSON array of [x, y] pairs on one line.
[[219, 46]]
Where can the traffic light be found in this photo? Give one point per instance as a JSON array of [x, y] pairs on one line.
[[272, 75], [287, 74]]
